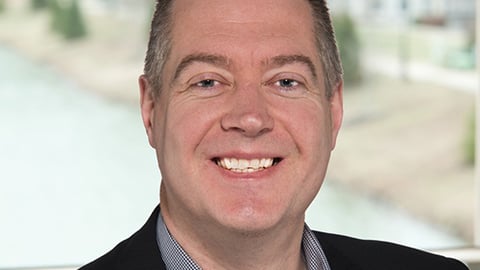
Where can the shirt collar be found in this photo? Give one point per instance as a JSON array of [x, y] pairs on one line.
[[175, 257], [173, 254], [314, 256]]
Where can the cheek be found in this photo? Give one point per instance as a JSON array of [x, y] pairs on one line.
[[186, 124], [309, 125], [310, 128]]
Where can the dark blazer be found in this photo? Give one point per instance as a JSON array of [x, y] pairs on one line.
[[140, 252]]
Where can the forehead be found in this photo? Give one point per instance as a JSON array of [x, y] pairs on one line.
[[258, 28], [240, 10]]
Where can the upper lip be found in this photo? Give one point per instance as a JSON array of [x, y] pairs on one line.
[[247, 156]]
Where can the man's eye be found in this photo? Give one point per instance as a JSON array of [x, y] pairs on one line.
[[287, 83], [207, 87], [206, 83], [284, 85]]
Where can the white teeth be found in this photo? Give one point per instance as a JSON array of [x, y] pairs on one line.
[[226, 163], [233, 163], [244, 165], [266, 162]]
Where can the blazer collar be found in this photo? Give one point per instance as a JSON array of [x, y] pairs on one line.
[[141, 251], [336, 258]]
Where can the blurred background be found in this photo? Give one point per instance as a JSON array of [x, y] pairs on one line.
[[77, 174]]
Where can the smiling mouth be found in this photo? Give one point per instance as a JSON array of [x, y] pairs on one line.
[[246, 165]]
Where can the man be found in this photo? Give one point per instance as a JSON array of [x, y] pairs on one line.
[[242, 101]]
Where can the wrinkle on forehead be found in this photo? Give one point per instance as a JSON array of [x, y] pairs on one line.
[[251, 16], [240, 11]]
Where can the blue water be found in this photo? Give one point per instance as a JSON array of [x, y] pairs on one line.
[[77, 175]]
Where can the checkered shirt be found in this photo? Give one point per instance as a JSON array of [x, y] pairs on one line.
[[176, 258]]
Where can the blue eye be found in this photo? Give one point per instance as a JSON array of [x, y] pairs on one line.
[[287, 83], [206, 83]]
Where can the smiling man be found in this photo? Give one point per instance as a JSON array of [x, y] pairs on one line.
[[242, 101]]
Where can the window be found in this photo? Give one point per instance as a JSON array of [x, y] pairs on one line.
[[402, 170], [77, 174]]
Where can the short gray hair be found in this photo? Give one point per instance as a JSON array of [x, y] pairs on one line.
[[159, 44]]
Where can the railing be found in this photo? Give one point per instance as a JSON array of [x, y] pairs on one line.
[[470, 256]]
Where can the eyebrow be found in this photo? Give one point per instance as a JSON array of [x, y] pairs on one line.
[[213, 59], [282, 60], [223, 61]]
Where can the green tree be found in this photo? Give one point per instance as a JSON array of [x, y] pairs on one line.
[[57, 16], [74, 26], [2, 5], [67, 20], [39, 4], [349, 47]]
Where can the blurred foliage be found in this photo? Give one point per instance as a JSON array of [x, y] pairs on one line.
[[56, 16], [469, 144], [74, 24], [39, 4], [349, 46], [2, 5], [67, 20]]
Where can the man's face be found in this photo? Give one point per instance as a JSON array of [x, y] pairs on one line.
[[242, 127]]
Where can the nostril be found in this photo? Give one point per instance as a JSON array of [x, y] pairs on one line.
[[233, 128], [249, 124]]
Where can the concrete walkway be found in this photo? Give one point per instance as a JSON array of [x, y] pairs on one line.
[[464, 80]]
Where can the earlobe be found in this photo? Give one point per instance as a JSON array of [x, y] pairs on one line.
[[147, 106], [336, 111]]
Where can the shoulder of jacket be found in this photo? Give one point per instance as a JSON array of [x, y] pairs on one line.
[[370, 254]]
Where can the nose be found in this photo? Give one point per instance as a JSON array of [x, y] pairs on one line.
[[248, 113]]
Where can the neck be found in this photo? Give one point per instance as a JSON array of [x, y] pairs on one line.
[[214, 247]]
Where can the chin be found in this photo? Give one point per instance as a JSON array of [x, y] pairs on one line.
[[250, 220]]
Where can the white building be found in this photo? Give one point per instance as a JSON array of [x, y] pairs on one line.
[[457, 13]]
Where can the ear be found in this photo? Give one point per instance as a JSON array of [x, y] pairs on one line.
[[336, 111], [147, 106]]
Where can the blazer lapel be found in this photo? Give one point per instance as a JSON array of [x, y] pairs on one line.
[[141, 251], [335, 257]]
